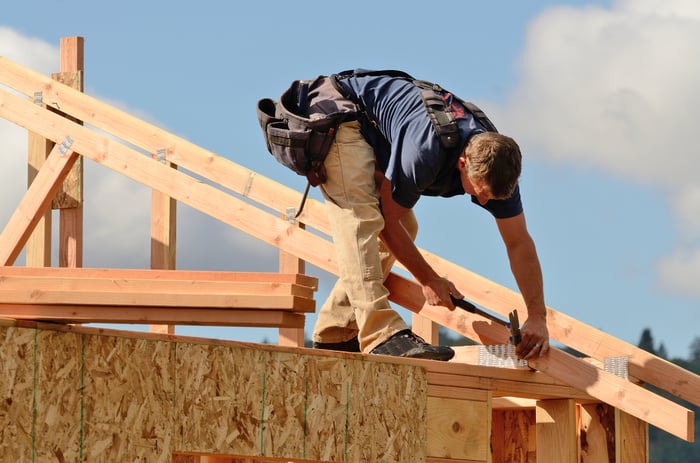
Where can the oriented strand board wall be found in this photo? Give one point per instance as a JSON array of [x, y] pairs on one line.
[[84, 396]]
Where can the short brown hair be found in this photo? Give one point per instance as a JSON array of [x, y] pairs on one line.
[[496, 159]]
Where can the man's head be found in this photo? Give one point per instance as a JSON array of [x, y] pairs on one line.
[[494, 160]]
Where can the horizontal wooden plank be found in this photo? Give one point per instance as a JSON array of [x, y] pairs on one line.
[[504, 386], [156, 286], [156, 274], [151, 315], [130, 298]]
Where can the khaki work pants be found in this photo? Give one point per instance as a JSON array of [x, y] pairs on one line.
[[358, 304]]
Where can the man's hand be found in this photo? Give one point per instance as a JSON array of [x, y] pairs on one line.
[[438, 291], [534, 338]]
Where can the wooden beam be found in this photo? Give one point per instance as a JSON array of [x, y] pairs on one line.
[[556, 431], [134, 274], [36, 201], [289, 263], [585, 377], [142, 299], [163, 233], [596, 433], [573, 333], [72, 53], [619, 393], [38, 246], [47, 284], [176, 315], [631, 439], [425, 328], [182, 187]]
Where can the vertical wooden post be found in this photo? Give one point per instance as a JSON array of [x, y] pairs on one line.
[[425, 328], [71, 204], [38, 247], [290, 263], [596, 430], [556, 431], [163, 233], [631, 439]]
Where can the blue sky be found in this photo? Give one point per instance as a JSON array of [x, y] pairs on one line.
[[601, 96]]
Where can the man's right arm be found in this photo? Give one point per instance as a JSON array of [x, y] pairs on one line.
[[436, 289]]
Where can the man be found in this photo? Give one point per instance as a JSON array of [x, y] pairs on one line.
[[377, 169]]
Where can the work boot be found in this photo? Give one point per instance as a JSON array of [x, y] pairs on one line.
[[407, 344], [351, 345]]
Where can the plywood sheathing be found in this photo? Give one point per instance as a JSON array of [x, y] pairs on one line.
[[71, 392]]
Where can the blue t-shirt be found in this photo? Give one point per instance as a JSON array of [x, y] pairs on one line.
[[408, 151]]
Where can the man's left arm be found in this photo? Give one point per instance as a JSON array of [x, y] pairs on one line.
[[526, 269]]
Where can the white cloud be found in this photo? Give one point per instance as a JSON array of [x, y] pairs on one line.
[[616, 90], [28, 51]]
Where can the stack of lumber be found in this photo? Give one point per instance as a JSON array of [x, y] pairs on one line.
[[177, 297]]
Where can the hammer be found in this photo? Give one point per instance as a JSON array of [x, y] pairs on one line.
[[513, 326]]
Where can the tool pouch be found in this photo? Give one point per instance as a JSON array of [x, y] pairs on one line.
[[299, 129]]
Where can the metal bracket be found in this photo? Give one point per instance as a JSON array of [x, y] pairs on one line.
[[160, 155], [618, 366], [38, 99], [291, 215], [248, 184], [65, 146]]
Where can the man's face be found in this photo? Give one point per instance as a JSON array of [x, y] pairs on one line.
[[473, 186], [481, 190]]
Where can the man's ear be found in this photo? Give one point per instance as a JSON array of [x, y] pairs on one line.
[[461, 162]]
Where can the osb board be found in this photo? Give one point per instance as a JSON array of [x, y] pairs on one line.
[[16, 393], [387, 412], [286, 405], [459, 429], [69, 395], [58, 396], [128, 399]]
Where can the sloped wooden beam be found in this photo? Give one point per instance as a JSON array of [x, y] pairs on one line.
[[36, 201], [564, 329], [573, 333], [182, 187], [585, 377]]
